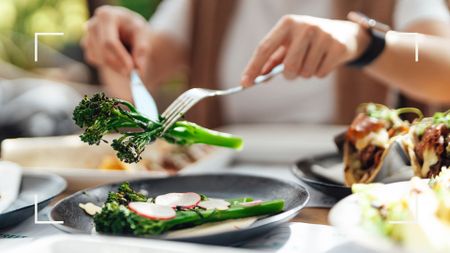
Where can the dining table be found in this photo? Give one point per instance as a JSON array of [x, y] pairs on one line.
[[271, 150]]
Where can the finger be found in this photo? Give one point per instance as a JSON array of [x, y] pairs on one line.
[[296, 55], [331, 60], [274, 60], [314, 56], [266, 48], [89, 45], [141, 51], [114, 52]]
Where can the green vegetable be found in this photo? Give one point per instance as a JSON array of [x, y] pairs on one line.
[[442, 118], [379, 111], [116, 218], [100, 115], [437, 119], [377, 216]]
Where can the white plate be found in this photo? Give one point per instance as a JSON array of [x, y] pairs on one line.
[[10, 178], [76, 161], [346, 217]]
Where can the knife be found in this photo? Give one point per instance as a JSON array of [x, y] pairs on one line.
[[143, 100]]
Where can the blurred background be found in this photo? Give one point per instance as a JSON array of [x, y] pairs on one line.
[[37, 98]]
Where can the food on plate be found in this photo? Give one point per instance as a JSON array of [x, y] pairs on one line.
[[100, 115], [369, 138], [428, 145], [129, 212], [211, 203], [418, 219], [90, 208], [161, 156]]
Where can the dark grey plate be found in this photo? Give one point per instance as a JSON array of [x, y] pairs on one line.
[[213, 185], [302, 170], [44, 185]]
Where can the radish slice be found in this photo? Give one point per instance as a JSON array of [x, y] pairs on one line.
[[211, 203], [251, 203], [152, 211], [183, 200]]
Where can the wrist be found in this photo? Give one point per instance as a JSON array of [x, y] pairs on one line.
[[363, 39], [376, 33]]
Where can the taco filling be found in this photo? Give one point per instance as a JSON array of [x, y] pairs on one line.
[[431, 149], [368, 139]]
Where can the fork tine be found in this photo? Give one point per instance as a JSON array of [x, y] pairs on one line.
[[181, 98], [178, 113], [174, 104], [178, 108]]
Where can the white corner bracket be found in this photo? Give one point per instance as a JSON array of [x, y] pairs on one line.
[[36, 214], [416, 47], [36, 42]]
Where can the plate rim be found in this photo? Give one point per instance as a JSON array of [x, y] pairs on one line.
[[295, 170], [47, 175], [284, 214]]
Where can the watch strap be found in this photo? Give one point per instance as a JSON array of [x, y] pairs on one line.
[[377, 32]]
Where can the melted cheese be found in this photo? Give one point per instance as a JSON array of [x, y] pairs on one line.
[[379, 138], [429, 159]]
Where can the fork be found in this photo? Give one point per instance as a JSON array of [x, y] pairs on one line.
[[192, 96]]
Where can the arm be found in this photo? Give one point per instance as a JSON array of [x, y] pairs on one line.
[[428, 79], [309, 46]]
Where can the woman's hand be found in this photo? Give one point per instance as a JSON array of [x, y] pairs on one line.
[[307, 46], [107, 33], [118, 40]]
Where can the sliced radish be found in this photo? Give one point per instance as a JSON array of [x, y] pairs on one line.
[[211, 203], [251, 203], [152, 211], [183, 200]]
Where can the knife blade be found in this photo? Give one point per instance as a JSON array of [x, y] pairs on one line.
[[143, 100]]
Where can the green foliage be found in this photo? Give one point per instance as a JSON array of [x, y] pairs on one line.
[[100, 115], [144, 7], [21, 19]]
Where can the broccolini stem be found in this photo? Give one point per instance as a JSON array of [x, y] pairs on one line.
[[192, 133], [237, 212]]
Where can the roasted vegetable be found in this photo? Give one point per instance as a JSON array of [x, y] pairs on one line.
[[117, 218], [100, 115]]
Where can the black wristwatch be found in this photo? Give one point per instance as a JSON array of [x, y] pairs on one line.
[[377, 32]]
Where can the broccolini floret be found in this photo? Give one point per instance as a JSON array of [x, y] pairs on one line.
[[100, 115]]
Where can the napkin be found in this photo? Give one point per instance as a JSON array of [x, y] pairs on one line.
[[10, 178]]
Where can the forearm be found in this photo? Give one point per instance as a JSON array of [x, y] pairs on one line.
[[428, 79]]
